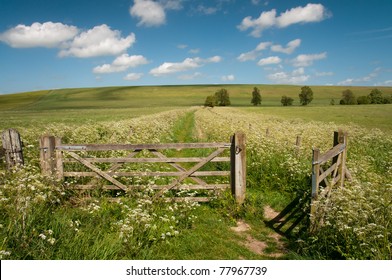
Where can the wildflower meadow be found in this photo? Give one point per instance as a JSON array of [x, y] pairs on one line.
[[43, 218]]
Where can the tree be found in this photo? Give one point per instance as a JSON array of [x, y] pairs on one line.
[[306, 95], [376, 96], [256, 97], [222, 97], [286, 101], [363, 99], [210, 101], [348, 98]]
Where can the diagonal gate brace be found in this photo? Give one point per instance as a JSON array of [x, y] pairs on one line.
[[191, 171], [98, 171]]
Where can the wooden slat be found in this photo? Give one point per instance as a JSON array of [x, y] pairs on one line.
[[330, 154], [192, 170], [12, 146], [184, 199], [121, 147], [98, 171], [154, 187], [150, 160], [178, 167], [146, 174], [327, 172]]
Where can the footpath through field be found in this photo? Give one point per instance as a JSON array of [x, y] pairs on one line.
[[240, 238]]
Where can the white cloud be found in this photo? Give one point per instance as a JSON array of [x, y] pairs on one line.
[[214, 59], [207, 10], [290, 47], [47, 34], [121, 63], [297, 76], [153, 13], [182, 46], [187, 64], [309, 13], [228, 78], [346, 82], [253, 54], [387, 83], [365, 79], [194, 51], [133, 76], [269, 60], [262, 46], [172, 4], [98, 41], [150, 13], [304, 60]]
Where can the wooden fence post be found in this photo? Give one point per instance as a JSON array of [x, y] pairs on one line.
[[59, 160], [340, 137], [47, 155], [12, 146], [238, 167], [315, 182]]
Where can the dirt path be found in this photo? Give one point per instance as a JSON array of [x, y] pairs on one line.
[[260, 247]]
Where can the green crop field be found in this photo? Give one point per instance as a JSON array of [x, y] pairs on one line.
[[43, 218]]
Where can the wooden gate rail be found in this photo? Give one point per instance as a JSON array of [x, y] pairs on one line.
[[324, 181], [53, 158]]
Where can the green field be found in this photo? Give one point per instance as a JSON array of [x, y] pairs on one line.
[[41, 218], [116, 103]]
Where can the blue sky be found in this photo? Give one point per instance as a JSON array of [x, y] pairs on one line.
[[47, 44]]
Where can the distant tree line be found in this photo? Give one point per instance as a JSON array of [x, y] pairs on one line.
[[374, 97], [222, 98]]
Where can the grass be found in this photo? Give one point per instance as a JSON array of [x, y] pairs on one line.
[[367, 116], [106, 113]]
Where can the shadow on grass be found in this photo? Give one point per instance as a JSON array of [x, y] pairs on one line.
[[293, 219]]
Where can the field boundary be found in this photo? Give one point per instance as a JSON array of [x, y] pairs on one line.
[[56, 159]]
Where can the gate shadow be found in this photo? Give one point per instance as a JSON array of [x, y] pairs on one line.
[[293, 219]]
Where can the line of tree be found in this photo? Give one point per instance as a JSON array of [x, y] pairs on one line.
[[220, 98], [374, 97]]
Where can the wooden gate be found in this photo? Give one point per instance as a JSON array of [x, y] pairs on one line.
[[58, 158], [323, 181]]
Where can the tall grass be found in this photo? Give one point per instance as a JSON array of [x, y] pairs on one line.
[[42, 219]]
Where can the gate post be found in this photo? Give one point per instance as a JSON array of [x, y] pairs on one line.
[[12, 146], [238, 167], [47, 155], [315, 184]]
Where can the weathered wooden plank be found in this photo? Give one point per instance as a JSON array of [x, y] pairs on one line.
[[178, 167], [12, 146], [146, 174], [327, 172], [315, 184], [192, 170], [154, 187], [150, 160], [47, 146], [238, 167], [121, 147], [98, 171], [330, 154], [185, 199], [59, 160]]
